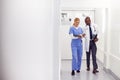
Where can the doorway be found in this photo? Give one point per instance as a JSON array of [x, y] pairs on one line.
[[67, 17]]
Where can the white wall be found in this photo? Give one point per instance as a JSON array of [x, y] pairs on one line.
[[112, 38], [109, 45], [84, 3], [27, 39], [114, 57], [100, 20]]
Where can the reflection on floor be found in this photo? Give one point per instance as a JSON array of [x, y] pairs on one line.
[[83, 75]]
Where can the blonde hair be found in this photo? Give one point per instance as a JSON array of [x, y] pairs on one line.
[[76, 19]]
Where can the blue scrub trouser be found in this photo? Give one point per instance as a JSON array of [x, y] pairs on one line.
[[76, 57]]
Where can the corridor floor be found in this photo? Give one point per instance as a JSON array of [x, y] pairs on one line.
[[83, 75]]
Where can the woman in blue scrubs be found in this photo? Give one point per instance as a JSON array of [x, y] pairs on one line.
[[76, 34]]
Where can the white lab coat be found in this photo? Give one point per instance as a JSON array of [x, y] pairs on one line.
[[87, 36]]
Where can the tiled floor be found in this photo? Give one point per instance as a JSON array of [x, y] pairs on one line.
[[83, 75]]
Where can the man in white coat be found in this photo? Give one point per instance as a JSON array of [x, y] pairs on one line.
[[91, 38]]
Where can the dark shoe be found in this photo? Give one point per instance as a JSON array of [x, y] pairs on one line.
[[78, 71], [73, 73], [95, 71], [88, 69]]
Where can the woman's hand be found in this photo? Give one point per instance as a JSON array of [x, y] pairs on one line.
[[79, 36]]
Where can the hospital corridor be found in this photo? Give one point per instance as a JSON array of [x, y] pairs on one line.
[[59, 40], [100, 17]]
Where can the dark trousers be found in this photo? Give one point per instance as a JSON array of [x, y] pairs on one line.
[[92, 50]]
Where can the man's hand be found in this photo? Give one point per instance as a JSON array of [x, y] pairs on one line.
[[96, 39], [83, 35]]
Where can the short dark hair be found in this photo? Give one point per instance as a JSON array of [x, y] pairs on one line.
[[87, 18]]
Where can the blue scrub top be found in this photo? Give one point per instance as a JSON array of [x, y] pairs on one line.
[[74, 31]]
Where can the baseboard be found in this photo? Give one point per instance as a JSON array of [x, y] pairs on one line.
[[111, 73]]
